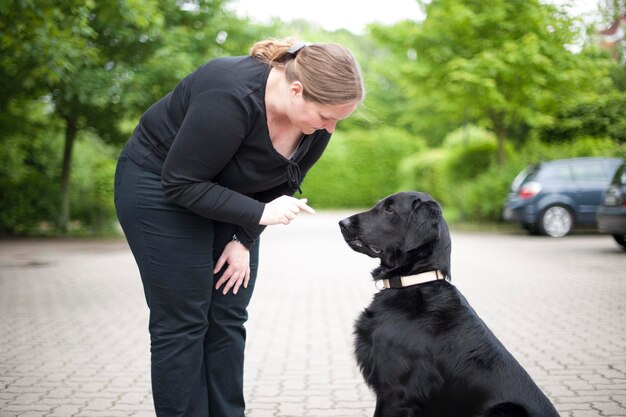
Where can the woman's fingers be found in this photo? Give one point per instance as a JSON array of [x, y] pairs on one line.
[[233, 279], [283, 210], [302, 205], [222, 280], [246, 279], [220, 264], [237, 257], [226, 279], [243, 280], [230, 283]]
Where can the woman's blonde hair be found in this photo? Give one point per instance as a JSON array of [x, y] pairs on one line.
[[328, 72]]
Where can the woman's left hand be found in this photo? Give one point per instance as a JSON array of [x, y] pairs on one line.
[[237, 256]]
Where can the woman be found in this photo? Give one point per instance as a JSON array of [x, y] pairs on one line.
[[207, 168]]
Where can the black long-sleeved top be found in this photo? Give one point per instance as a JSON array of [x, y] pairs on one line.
[[209, 141]]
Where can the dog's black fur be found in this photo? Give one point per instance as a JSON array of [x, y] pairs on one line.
[[422, 349]]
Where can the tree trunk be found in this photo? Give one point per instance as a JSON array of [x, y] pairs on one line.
[[501, 154], [501, 133], [70, 134]]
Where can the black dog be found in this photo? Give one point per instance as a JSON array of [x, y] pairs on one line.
[[420, 346]]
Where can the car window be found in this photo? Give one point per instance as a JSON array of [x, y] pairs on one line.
[[556, 172], [524, 176], [590, 171], [620, 176]]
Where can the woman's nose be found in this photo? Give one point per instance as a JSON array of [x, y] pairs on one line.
[[330, 126]]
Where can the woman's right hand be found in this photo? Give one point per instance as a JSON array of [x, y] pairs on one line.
[[283, 210]]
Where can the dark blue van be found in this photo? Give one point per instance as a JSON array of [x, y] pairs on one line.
[[552, 197]]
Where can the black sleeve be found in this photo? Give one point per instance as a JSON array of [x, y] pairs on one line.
[[248, 235], [214, 127]]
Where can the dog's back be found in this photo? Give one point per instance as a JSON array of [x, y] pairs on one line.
[[425, 352]]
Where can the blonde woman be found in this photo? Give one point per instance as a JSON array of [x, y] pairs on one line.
[[207, 168]]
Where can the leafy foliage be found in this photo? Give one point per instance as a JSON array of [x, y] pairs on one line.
[[601, 117], [425, 171], [98, 65], [502, 64], [29, 183], [474, 83], [359, 167]]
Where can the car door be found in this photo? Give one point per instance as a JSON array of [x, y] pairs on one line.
[[591, 179]]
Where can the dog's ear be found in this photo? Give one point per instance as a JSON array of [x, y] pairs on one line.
[[422, 225]]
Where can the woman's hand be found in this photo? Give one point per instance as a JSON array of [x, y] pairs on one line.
[[237, 256], [283, 210]]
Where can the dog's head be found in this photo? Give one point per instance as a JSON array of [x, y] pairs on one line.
[[405, 230]]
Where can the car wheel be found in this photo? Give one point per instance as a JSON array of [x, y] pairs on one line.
[[620, 239], [556, 221]]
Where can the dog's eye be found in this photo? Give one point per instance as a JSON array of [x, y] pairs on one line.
[[388, 210]]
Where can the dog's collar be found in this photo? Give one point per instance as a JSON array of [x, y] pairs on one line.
[[409, 280]]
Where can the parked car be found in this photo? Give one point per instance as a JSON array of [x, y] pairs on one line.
[[552, 197], [612, 213]]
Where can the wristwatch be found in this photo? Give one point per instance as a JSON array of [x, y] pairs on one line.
[[236, 239]]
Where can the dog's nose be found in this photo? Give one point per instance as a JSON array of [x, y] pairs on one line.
[[344, 223]]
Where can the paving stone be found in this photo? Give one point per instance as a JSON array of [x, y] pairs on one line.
[[573, 407], [74, 340], [259, 412], [579, 413], [609, 408], [64, 411], [291, 409]]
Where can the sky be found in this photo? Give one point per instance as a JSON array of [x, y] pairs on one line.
[[354, 15]]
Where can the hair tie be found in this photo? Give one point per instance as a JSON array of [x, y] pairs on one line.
[[297, 46]]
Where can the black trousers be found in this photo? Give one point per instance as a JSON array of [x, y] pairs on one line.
[[197, 334]]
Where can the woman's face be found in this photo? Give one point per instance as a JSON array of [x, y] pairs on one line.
[[310, 116]]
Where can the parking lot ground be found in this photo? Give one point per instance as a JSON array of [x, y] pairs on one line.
[[74, 340]]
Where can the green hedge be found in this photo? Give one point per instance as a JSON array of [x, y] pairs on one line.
[[482, 198], [31, 191], [465, 163], [425, 171], [473, 187], [29, 184], [93, 169], [359, 168]]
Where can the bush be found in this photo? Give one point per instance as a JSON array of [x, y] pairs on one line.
[[603, 116], [468, 134], [465, 175], [535, 151], [31, 190], [465, 163], [93, 169], [359, 167], [482, 199], [29, 184], [424, 171]]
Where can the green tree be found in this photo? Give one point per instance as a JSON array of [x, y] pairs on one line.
[[611, 12], [507, 65], [101, 63], [603, 117]]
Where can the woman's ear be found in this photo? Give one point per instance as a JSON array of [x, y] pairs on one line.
[[296, 89]]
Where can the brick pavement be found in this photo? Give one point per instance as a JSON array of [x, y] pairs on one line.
[[74, 342]]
